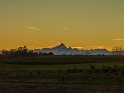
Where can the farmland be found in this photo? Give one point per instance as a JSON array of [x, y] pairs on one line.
[[63, 74]]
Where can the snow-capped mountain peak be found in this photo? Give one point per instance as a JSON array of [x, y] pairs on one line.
[[61, 46], [63, 50]]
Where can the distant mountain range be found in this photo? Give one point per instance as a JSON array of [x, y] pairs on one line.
[[63, 50], [0, 52]]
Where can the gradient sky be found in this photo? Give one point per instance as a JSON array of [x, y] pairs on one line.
[[77, 23]]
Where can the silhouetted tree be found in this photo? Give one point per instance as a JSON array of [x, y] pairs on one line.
[[5, 52], [117, 50], [21, 52]]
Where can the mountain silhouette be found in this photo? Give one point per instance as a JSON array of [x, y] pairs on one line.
[[61, 46], [61, 49]]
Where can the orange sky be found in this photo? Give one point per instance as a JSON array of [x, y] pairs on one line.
[[77, 23]]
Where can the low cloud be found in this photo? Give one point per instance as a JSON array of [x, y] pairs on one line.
[[117, 39], [65, 28], [78, 47], [33, 28], [96, 47]]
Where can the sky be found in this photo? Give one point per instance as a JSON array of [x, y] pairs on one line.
[[77, 23]]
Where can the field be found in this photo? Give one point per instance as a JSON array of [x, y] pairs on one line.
[[62, 74]]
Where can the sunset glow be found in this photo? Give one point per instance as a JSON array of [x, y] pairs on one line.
[[77, 23]]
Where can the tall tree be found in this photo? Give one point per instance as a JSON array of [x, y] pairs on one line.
[[117, 50]]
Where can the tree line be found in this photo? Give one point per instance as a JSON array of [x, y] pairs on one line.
[[21, 52], [117, 50], [25, 52]]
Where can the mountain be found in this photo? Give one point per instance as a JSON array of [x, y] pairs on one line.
[[0, 52], [60, 47], [63, 50]]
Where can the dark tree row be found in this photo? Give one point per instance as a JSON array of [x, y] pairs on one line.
[[117, 51], [21, 52]]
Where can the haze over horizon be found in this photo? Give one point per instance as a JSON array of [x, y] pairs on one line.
[[76, 23]]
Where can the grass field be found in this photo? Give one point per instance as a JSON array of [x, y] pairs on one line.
[[59, 66], [63, 74], [61, 62]]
